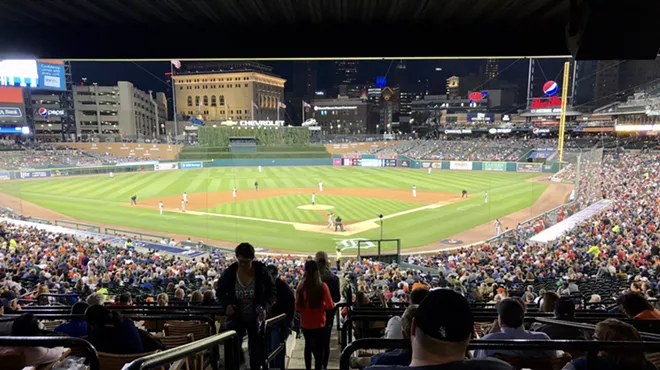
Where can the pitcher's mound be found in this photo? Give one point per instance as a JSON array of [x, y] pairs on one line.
[[316, 207]]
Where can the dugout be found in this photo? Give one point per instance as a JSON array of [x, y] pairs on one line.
[[242, 144]]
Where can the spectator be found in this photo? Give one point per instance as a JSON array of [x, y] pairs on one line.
[[196, 297], [511, 315], [248, 292], [313, 299], [285, 303], [440, 333], [75, 327], [110, 332], [179, 296], [125, 299], [399, 356], [163, 299], [635, 306], [27, 326], [95, 299], [564, 310], [614, 330], [394, 329], [332, 282], [208, 299], [10, 303], [548, 302]]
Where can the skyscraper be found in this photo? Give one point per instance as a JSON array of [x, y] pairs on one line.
[[346, 72], [304, 79], [492, 69]]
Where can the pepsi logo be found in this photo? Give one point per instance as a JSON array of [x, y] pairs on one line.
[[550, 88], [43, 112], [535, 130]]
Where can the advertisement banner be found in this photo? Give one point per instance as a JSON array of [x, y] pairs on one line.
[[404, 163], [371, 163], [462, 166], [426, 164], [494, 166], [5, 176], [336, 161], [529, 167], [436, 165], [185, 165], [166, 166], [142, 163], [33, 174]]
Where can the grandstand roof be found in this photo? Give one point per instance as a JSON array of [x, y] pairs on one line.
[[169, 29]]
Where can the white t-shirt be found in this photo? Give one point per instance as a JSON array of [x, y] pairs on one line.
[[393, 329]]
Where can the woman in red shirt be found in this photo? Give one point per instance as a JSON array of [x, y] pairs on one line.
[[312, 300]]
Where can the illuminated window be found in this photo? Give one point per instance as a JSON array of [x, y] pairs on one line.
[[190, 101]]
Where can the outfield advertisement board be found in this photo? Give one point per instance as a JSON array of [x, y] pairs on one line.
[[403, 163], [166, 166], [463, 166], [187, 165], [494, 166], [529, 167], [32, 174], [5, 176], [336, 161]]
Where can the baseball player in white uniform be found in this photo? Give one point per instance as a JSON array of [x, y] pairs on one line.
[[259, 168], [160, 207], [429, 170], [320, 185], [331, 218], [486, 197], [185, 197], [498, 227], [183, 205], [313, 198], [112, 175], [233, 193], [414, 189]]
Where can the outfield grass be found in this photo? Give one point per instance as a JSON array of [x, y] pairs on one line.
[[102, 199]]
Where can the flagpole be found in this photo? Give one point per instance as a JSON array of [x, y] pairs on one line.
[[303, 112], [253, 110], [176, 128], [278, 110]]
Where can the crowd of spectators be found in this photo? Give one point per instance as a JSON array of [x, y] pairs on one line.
[[45, 155]]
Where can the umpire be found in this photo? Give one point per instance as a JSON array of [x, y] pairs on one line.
[[338, 224]]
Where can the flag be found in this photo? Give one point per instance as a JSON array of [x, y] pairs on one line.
[[176, 64], [281, 105], [255, 105], [306, 104]]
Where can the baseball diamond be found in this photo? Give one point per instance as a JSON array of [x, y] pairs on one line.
[[280, 215]]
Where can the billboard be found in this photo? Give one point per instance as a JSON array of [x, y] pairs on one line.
[[5, 176], [481, 117], [463, 166], [494, 166], [12, 107], [37, 74], [186, 165], [166, 166], [529, 167], [32, 174]]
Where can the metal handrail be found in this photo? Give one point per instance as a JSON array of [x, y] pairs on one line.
[[168, 356], [592, 327], [268, 327], [591, 347], [51, 342]]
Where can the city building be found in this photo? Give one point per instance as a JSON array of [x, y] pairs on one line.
[[346, 72], [119, 110], [492, 69], [453, 88], [47, 113], [345, 116], [221, 91], [305, 77]]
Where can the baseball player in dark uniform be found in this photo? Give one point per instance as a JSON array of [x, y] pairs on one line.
[[256, 186], [134, 200], [464, 194]]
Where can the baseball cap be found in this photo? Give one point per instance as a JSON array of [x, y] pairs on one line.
[[445, 315]]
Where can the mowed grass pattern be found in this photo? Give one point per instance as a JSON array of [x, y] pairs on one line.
[[102, 199]]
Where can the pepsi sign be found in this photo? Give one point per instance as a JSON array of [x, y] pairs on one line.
[[550, 88], [43, 112]]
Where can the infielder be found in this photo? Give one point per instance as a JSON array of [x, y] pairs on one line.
[[233, 193], [414, 189], [185, 197], [160, 207], [256, 186], [183, 205], [134, 200], [330, 220], [112, 175], [313, 198], [486, 197], [320, 185], [498, 227]]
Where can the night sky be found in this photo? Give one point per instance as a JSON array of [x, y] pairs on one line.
[[151, 75]]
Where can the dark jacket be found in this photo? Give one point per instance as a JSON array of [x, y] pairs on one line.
[[285, 302], [264, 287], [332, 281]]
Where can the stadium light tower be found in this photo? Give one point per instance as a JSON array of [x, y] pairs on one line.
[[562, 114]]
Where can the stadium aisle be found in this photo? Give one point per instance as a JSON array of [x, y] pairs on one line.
[[295, 348]]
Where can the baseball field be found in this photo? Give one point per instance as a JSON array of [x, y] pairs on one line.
[[280, 215]]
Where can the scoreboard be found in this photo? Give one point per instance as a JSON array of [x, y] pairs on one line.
[[358, 161]]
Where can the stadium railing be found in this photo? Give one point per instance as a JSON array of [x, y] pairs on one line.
[[272, 352], [136, 235], [229, 340], [78, 226], [653, 335], [591, 347], [50, 342]]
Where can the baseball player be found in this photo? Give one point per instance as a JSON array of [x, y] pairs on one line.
[[160, 207], [183, 205], [498, 227], [414, 189], [134, 200], [313, 198], [330, 220], [429, 170], [112, 175], [256, 186], [185, 197], [260, 169], [320, 185], [464, 194], [486, 197], [233, 192]]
